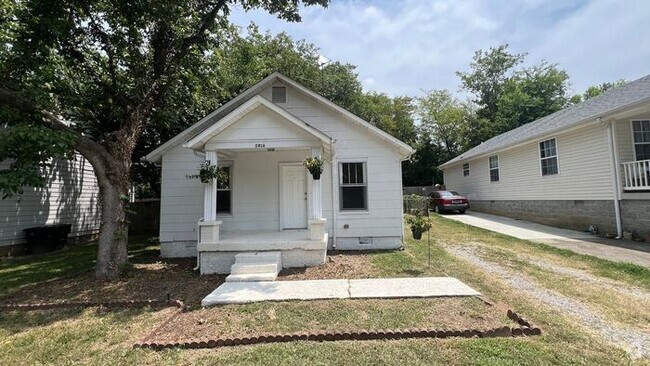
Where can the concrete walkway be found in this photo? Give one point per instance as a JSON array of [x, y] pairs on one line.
[[246, 292], [579, 242]]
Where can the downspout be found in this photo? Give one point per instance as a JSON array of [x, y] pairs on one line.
[[613, 150], [333, 169]]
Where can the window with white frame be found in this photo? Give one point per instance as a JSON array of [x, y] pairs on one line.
[[548, 157], [224, 190], [465, 169], [353, 186], [641, 135], [494, 168]]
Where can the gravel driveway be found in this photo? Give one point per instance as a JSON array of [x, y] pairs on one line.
[[636, 343]]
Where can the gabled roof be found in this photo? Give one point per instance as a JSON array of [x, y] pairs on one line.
[[242, 98], [253, 103], [610, 102]]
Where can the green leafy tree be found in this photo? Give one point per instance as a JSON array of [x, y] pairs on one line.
[[100, 71], [596, 90], [507, 96], [446, 120], [530, 94], [393, 115], [489, 72]]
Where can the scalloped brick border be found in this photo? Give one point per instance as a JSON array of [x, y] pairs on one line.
[[525, 329]]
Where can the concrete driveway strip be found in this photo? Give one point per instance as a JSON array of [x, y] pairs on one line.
[[247, 292], [409, 287], [577, 241]]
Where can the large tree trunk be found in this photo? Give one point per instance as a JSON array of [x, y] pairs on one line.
[[114, 229], [112, 174]]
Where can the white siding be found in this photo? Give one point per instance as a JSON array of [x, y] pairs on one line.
[[70, 196], [584, 164], [255, 197], [384, 216]]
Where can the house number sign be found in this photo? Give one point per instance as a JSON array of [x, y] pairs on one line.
[[260, 145]]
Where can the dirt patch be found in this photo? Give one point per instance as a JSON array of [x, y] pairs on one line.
[[149, 278], [339, 265], [273, 317]]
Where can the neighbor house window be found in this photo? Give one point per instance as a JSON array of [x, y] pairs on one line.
[[494, 168], [641, 132], [353, 186], [224, 192], [465, 169], [548, 157], [279, 94]]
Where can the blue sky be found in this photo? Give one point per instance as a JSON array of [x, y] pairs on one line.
[[406, 46]]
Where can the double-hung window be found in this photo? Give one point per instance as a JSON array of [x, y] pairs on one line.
[[494, 168], [465, 169], [548, 157], [353, 186], [224, 190], [641, 134]]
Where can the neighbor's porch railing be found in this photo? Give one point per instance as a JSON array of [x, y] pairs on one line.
[[637, 175]]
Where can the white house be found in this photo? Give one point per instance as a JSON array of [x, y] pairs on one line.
[[271, 203], [587, 164], [70, 196]]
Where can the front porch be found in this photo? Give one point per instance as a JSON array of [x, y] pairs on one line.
[[296, 247], [266, 212]]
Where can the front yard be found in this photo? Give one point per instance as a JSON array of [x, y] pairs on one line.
[[541, 282]]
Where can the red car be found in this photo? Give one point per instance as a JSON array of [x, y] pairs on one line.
[[448, 201]]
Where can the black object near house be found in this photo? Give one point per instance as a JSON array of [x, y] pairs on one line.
[[46, 238]]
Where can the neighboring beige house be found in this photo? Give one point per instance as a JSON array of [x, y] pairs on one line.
[[70, 196], [271, 204], [587, 164]]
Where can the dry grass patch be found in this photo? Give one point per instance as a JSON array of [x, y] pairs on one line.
[[149, 278], [278, 317], [339, 265]]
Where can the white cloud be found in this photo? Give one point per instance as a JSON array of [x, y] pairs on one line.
[[402, 47]]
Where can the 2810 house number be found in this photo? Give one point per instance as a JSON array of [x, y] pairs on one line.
[[260, 145]]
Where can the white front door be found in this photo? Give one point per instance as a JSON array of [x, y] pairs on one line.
[[293, 196]]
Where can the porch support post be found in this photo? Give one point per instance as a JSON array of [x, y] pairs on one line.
[[317, 190], [317, 222], [210, 191]]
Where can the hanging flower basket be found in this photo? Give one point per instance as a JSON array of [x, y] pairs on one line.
[[314, 165], [208, 172]]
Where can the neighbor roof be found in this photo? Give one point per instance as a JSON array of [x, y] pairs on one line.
[[611, 101], [242, 98]]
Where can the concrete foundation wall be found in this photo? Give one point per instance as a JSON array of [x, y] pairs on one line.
[[221, 262], [369, 243], [575, 214]]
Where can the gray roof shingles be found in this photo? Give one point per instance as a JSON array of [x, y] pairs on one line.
[[610, 101]]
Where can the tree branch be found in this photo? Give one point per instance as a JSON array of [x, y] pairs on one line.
[[91, 150]]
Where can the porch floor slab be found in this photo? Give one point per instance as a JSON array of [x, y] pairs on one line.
[[247, 292]]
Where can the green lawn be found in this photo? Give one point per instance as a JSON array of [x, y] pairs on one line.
[[94, 336], [20, 271]]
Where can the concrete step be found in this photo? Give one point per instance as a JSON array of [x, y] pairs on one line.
[[253, 277], [250, 268], [259, 257]]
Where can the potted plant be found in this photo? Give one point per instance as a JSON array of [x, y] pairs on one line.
[[314, 165], [208, 172], [419, 224]]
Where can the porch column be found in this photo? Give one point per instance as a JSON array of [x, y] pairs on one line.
[[317, 222], [317, 191], [210, 191]]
